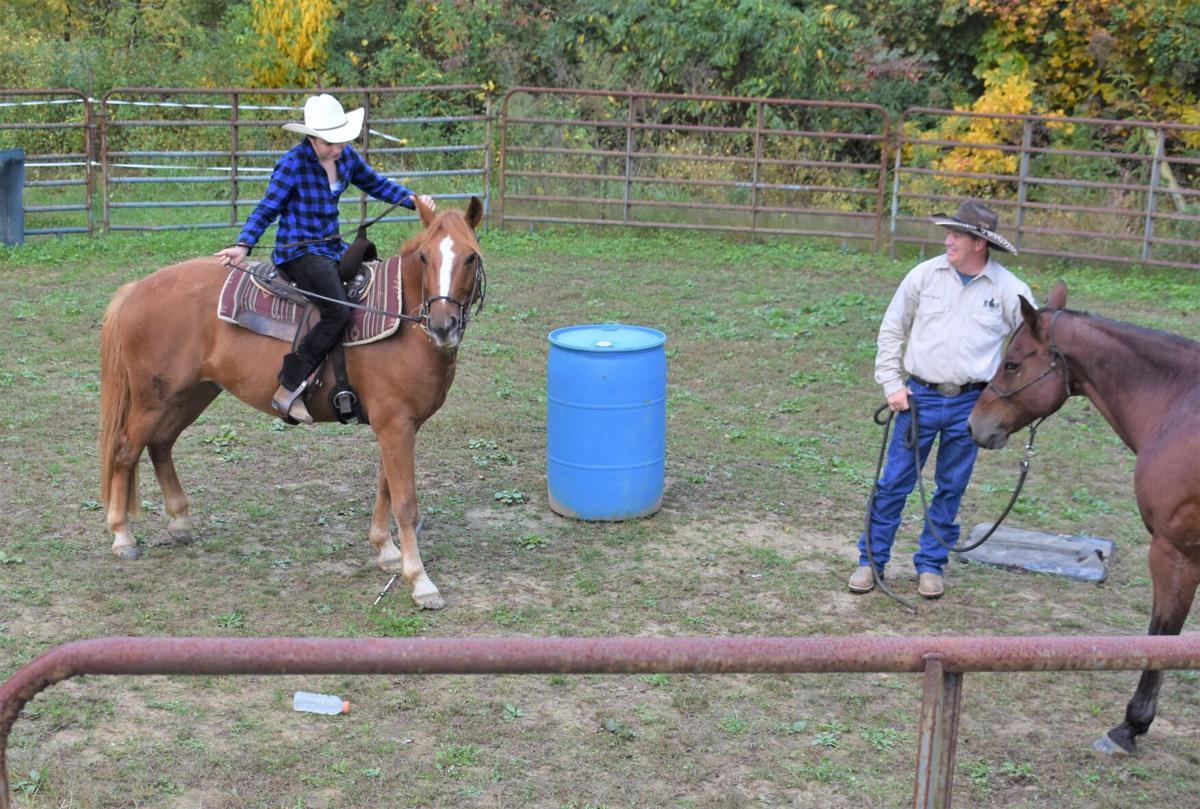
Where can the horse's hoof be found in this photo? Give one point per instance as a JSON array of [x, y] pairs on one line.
[[430, 601], [1109, 747], [179, 531], [130, 553]]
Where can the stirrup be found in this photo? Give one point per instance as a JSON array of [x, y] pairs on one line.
[[290, 406]]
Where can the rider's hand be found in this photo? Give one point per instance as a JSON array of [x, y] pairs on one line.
[[428, 202], [233, 255], [899, 400]]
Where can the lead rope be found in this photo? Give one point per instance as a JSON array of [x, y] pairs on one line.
[[879, 580], [911, 439]]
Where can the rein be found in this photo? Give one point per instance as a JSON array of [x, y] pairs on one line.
[[478, 293], [269, 280]]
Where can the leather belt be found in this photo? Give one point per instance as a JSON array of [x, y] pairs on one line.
[[948, 388]]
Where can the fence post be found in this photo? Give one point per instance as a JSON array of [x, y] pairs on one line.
[[939, 733], [625, 195], [102, 113], [1151, 199], [1022, 186], [895, 191], [234, 115], [756, 172], [488, 156]]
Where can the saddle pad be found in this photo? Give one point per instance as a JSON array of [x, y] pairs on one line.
[[246, 301]]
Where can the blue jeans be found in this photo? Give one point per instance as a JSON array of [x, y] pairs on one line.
[[944, 418]]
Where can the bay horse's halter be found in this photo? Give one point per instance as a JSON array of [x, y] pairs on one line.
[[465, 313], [1056, 356]]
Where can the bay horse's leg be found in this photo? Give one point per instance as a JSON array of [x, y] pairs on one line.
[[397, 443], [381, 526], [175, 420], [1175, 579]]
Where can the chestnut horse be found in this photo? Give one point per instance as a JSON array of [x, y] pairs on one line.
[[165, 356], [1146, 383]]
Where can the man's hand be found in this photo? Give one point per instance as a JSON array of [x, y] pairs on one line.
[[899, 400]]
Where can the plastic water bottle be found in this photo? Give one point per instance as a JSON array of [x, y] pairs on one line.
[[319, 703]]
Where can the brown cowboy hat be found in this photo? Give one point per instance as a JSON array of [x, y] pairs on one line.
[[977, 219]]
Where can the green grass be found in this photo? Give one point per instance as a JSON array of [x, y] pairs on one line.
[[770, 452]]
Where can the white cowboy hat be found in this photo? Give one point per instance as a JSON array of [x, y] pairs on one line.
[[324, 118], [977, 219]]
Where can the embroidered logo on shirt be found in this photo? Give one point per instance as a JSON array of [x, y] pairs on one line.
[[990, 303]]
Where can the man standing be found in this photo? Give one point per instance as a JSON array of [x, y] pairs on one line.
[[952, 315]]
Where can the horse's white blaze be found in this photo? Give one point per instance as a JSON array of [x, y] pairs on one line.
[[447, 250]]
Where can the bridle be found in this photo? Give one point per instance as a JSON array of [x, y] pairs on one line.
[[465, 313], [421, 317], [1057, 360]]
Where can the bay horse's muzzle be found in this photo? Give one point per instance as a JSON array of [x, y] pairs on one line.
[[987, 436]]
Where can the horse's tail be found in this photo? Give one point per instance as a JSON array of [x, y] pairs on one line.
[[116, 396]]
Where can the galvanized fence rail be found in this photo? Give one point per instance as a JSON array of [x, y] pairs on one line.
[[1108, 191], [1098, 189], [942, 661], [752, 165], [433, 139]]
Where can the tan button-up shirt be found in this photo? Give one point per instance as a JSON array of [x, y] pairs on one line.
[[950, 332]]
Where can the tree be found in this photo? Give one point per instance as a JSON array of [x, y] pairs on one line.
[[292, 37]]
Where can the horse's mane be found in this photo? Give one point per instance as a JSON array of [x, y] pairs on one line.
[[1139, 351], [1168, 340]]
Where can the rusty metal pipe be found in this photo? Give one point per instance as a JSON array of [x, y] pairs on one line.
[[693, 655]]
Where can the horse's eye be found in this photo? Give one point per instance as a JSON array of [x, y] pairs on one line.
[[1011, 366], [421, 255]]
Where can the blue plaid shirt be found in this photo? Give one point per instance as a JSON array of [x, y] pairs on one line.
[[307, 208]]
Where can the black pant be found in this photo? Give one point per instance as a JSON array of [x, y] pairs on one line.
[[318, 274]]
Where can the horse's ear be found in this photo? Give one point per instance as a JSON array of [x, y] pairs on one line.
[[1030, 313], [1058, 296], [474, 212], [424, 211]]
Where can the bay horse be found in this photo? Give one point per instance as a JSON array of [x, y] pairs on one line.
[[165, 356], [1146, 384]]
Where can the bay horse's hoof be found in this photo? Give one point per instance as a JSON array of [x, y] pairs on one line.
[[430, 601], [1110, 747], [130, 553]]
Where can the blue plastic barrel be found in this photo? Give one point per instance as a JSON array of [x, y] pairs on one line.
[[606, 421]]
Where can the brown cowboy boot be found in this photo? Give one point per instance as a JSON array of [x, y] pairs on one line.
[[290, 404]]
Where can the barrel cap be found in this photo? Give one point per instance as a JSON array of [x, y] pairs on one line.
[[607, 337]]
